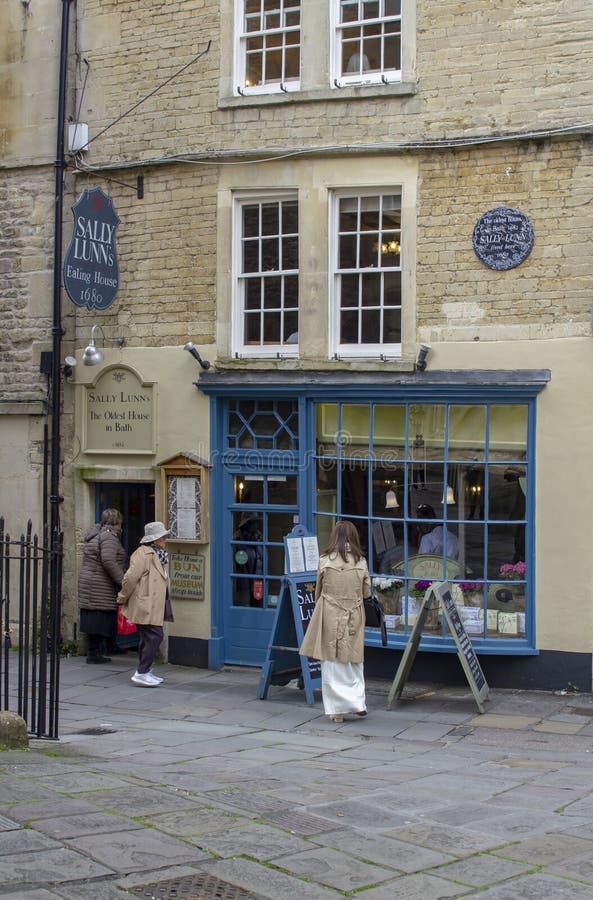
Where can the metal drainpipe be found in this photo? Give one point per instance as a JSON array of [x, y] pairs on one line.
[[56, 368]]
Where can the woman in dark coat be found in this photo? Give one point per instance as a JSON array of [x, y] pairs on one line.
[[103, 566]]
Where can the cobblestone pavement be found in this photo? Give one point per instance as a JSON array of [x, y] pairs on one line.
[[198, 790]]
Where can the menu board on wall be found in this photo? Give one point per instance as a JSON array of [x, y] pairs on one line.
[[184, 507]]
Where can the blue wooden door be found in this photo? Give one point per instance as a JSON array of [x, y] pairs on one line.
[[263, 510]]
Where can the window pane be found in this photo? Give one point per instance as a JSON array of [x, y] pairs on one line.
[[348, 257], [252, 328], [291, 291], [272, 323], [270, 219], [392, 328], [467, 432], [349, 328], [290, 253], [270, 254], [508, 429], [349, 291], [371, 326], [253, 293], [251, 256], [272, 287]]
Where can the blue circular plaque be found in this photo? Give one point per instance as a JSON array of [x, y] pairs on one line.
[[503, 238]]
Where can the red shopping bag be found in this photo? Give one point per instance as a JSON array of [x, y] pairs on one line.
[[124, 626]]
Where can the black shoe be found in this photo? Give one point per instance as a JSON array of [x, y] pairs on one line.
[[98, 660]]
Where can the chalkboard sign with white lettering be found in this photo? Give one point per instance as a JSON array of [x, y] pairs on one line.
[[283, 660], [503, 238], [440, 593]]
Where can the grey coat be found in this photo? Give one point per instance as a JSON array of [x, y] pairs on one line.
[[103, 566]]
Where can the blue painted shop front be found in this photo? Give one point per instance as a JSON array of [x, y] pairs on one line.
[[438, 477]]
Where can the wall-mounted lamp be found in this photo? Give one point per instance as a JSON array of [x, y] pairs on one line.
[[191, 348], [69, 366], [422, 354], [92, 355]]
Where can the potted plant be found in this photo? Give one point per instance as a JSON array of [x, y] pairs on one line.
[[473, 593], [388, 591], [416, 592]]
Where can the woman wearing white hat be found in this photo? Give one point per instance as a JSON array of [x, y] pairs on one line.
[[144, 597]]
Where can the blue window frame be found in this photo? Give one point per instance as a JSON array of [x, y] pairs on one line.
[[437, 491]]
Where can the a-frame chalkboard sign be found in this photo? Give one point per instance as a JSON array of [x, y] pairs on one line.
[[283, 660], [439, 594], [293, 614]]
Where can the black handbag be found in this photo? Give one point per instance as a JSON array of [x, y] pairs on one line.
[[375, 616]]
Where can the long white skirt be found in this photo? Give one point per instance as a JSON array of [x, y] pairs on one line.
[[342, 687]]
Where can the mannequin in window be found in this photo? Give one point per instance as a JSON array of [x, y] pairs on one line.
[[433, 537]]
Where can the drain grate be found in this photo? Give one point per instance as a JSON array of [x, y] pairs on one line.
[[8, 824], [582, 710], [301, 823], [194, 887]]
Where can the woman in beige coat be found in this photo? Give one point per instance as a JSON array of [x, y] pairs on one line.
[[336, 631], [144, 598]]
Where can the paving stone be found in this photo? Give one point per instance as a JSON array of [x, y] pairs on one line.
[[546, 849], [579, 867], [78, 826], [34, 894], [558, 727], [251, 839], [48, 866], [89, 783], [538, 887], [415, 887], [458, 842], [128, 851], [480, 871], [262, 879], [333, 868], [193, 823], [425, 731], [48, 809], [25, 840], [368, 814], [97, 890], [143, 801], [510, 722], [24, 789], [245, 801], [382, 850]]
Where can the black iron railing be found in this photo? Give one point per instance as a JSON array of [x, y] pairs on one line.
[[30, 616]]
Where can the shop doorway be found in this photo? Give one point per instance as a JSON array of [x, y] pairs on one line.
[[135, 501], [263, 511]]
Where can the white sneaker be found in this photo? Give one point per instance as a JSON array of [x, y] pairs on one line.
[[158, 677], [145, 679]]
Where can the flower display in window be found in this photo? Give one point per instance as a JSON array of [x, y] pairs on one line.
[[512, 571], [419, 588], [471, 587], [387, 585]]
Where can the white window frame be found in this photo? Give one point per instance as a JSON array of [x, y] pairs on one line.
[[239, 347], [360, 350], [338, 79], [240, 53]]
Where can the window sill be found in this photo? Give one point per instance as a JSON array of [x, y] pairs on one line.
[[350, 92]]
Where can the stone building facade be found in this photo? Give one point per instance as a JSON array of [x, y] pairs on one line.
[[485, 107]]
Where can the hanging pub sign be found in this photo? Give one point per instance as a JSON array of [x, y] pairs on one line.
[[91, 272], [503, 238]]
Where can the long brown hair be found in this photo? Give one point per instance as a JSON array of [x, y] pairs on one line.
[[344, 542]]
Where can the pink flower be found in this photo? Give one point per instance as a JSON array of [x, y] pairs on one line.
[[514, 571]]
